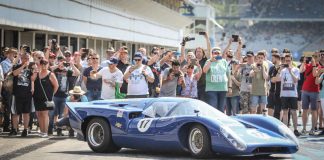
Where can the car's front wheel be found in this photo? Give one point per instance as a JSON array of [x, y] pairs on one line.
[[99, 136], [199, 142]]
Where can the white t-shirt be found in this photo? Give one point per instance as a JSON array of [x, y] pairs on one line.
[[108, 91], [288, 87], [137, 84]]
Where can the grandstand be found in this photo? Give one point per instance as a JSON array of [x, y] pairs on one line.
[[294, 24]]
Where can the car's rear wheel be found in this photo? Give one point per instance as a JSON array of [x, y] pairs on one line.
[[199, 142], [99, 136]]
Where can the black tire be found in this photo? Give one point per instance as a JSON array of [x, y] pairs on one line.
[[98, 135], [201, 151]]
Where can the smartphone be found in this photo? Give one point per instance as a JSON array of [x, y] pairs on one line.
[[218, 57], [202, 33], [235, 38], [193, 61], [285, 65]]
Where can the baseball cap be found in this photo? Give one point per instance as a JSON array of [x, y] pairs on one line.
[[216, 49], [113, 60], [67, 53], [249, 54], [138, 55]]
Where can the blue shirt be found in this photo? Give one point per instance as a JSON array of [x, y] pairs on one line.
[[6, 65], [92, 84], [83, 99]]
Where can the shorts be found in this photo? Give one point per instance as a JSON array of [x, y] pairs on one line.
[[245, 102], [21, 105], [289, 103], [309, 98], [273, 101], [256, 100]]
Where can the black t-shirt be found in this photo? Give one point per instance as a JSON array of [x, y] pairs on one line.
[[156, 72], [122, 67], [274, 87], [64, 80], [22, 82], [202, 81]]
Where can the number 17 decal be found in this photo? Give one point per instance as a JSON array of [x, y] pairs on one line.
[[144, 124]]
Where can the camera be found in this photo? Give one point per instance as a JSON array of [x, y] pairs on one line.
[[308, 59], [193, 61], [285, 65], [177, 74], [202, 33], [235, 38], [65, 64], [258, 65], [54, 45], [27, 49], [186, 39]]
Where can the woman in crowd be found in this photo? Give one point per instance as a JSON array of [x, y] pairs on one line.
[[190, 80], [45, 86], [217, 80]]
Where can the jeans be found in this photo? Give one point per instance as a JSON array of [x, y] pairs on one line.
[[6, 101], [202, 93], [58, 111], [59, 106], [93, 95], [232, 105], [216, 99]]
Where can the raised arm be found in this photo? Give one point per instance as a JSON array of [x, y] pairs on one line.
[[227, 47], [239, 50], [208, 45]]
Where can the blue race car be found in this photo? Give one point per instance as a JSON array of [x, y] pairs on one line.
[[177, 124]]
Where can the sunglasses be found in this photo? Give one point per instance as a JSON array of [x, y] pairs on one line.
[[322, 55], [215, 52], [137, 59]]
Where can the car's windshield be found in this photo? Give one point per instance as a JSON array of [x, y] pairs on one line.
[[192, 106], [159, 109]]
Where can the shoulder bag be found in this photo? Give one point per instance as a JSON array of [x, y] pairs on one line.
[[49, 104]]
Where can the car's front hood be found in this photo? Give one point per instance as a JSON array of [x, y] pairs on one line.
[[251, 136]]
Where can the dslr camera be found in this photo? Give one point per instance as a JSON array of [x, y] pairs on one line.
[[54, 46], [187, 39], [177, 75]]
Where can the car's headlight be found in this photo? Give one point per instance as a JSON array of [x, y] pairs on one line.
[[236, 141], [284, 130]]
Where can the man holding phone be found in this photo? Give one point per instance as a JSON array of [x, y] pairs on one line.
[[259, 89], [289, 76], [138, 76]]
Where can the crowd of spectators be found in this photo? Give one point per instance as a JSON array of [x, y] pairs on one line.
[[36, 84], [285, 9], [297, 36]]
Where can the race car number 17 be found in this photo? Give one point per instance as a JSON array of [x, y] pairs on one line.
[[144, 124]]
